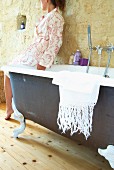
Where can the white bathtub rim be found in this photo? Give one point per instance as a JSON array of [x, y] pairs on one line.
[[27, 71], [51, 74]]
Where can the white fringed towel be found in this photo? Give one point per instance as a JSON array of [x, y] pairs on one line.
[[78, 96]]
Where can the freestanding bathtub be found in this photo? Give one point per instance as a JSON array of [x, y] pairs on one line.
[[38, 100]]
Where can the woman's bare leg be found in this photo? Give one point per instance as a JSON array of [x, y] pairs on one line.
[[8, 95]]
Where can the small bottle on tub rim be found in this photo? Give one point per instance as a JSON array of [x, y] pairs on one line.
[[71, 58], [77, 57]]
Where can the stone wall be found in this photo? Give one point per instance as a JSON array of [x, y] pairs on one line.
[[78, 14], [2, 96], [12, 39], [100, 15]]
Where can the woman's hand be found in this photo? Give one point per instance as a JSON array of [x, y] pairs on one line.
[[39, 67]]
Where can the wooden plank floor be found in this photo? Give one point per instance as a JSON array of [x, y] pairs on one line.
[[41, 149]]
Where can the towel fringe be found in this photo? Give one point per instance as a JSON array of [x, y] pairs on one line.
[[76, 118]]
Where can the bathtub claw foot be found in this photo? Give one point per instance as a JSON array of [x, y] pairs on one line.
[[19, 117], [19, 130]]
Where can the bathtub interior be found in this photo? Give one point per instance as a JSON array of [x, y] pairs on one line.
[[76, 68]]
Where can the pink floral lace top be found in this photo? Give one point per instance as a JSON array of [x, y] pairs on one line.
[[47, 41]]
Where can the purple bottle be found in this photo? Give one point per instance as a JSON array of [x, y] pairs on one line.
[[77, 57]]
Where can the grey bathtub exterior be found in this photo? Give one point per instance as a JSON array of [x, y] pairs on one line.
[[38, 100]]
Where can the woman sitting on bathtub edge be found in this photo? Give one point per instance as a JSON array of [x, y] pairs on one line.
[[42, 51]]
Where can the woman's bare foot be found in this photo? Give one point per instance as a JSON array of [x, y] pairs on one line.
[[8, 113]]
